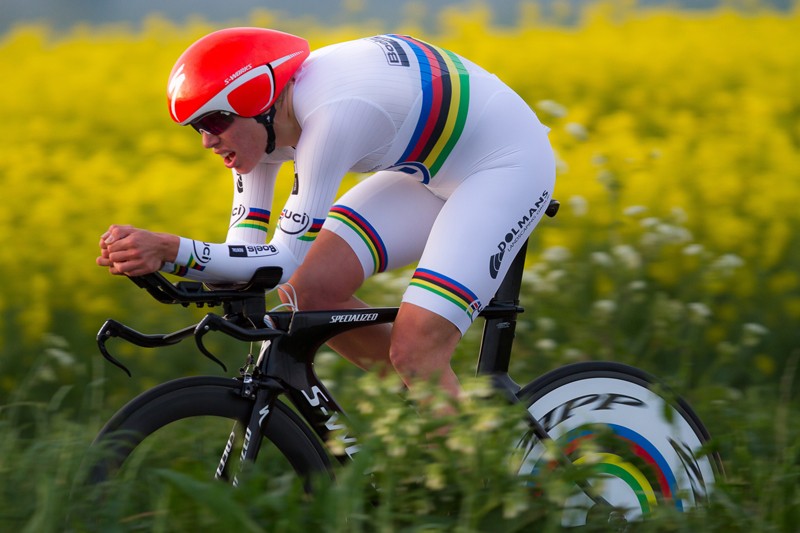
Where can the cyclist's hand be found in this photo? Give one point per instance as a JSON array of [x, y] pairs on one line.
[[135, 252]]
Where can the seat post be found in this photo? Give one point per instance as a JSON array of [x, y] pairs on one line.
[[501, 322]]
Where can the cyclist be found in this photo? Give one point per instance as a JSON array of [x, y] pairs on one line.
[[460, 172]]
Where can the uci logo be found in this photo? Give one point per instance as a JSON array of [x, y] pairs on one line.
[[202, 252], [293, 223]]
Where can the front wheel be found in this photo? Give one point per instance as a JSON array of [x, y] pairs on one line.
[[635, 445], [185, 425]]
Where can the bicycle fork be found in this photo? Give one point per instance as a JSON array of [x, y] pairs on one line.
[[263, 397]]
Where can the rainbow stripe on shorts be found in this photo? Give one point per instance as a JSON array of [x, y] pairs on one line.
[[363, 229]]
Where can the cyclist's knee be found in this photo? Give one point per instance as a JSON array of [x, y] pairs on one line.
[[422, 342]]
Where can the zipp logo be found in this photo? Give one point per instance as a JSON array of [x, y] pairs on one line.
[[515, 233], [590, 402]]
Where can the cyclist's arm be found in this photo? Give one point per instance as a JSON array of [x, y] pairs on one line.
[[336, 136], [245, 248]]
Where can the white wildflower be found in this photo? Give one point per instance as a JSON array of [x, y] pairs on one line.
[[679, 215], [579, 205], [649, 222], [637, 285], [628, 256], [752, 334], [578, 131], [634, 210], [699, 312], [552, 108], [602, 259], [546, 345], [604, 309], [693, 249], [728, 262], [556, 254]]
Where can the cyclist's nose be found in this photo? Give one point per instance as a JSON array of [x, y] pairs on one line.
[[209, 140]]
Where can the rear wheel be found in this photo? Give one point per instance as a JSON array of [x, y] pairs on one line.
[[636, 445]]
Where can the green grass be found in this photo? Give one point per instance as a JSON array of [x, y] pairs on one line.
[[464, 482]]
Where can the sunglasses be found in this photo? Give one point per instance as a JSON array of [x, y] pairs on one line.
[[213, 123]]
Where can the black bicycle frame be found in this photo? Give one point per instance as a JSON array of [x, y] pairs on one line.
[[286, 361]]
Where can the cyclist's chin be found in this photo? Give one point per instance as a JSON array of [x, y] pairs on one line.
[[240, 165]]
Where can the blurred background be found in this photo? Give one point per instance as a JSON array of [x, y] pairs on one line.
[[64, 14], [675, 125]]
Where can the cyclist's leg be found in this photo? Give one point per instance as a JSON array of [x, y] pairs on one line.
[[455, 278], [484, 222], [421, 347], [328, 278], [370, 230]]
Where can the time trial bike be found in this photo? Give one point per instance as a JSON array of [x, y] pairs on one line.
[[649, 446]]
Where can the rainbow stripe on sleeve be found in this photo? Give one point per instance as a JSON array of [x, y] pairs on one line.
[[313, 231], [194, 264], [445, 101], [256, 219], [363, 229]]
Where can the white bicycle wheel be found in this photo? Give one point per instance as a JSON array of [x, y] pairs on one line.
[[638, 446]]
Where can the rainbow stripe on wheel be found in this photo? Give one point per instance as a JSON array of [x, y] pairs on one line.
[[658, 477]]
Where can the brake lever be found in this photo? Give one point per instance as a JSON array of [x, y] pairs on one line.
[[112, 328], [108, 330], [212, 322], [209, 322]]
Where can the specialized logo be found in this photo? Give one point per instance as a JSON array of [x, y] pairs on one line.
[[239, 183], [361, 317], [511, 238], [317, 399], [395, 55], [238, 73], [293, 223], [174, 88], [251, 250]]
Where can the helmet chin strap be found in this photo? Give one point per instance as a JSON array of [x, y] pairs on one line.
[[268, 121]]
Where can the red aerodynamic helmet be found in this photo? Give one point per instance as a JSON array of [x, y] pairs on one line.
[[238, 70]]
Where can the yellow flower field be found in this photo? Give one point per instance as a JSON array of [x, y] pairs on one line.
[[678, 136]]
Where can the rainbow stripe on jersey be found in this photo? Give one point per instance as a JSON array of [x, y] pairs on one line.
[[445, 101], [363, 229]]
